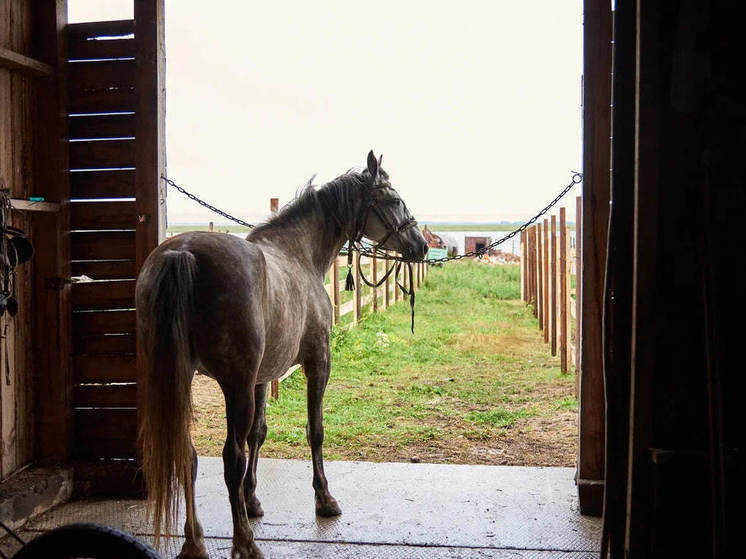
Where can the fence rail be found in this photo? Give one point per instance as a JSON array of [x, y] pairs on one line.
[[549, 280]]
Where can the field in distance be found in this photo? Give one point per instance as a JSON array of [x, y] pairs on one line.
[[435, 226]]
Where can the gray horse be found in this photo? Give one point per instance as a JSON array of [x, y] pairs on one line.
[[243, 313]]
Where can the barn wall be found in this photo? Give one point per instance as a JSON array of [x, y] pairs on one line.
[[16, 157]]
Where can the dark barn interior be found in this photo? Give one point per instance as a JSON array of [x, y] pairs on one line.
[[664, 118]]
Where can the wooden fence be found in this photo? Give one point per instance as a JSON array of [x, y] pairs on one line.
[[549, 276]]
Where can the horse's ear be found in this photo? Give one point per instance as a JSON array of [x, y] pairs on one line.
[[372, 165], [380, 159]]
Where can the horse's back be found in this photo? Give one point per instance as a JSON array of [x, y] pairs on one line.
[[229, 294]]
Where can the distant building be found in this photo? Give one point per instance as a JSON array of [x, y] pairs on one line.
[[473, 244]]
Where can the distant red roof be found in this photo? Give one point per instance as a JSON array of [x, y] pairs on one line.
[[432, 239]]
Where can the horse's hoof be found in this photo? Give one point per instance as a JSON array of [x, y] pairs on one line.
[[254, 508], [193, 555], [328, 507], [252, 552]]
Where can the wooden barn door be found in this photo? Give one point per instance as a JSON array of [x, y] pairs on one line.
[[117, 216]]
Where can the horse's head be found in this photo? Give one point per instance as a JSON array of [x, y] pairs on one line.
[[388, 221]]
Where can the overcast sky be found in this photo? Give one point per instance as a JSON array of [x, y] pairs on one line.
[[475, 105]]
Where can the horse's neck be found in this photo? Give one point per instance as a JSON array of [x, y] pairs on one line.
[[310, 241]]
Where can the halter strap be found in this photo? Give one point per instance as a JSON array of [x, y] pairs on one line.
[[354, 240]]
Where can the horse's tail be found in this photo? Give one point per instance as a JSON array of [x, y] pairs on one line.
[[164, 301]]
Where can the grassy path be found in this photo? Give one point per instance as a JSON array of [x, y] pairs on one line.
[[475, 384]]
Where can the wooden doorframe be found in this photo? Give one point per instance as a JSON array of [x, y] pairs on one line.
[[150, 154], [597, 36]]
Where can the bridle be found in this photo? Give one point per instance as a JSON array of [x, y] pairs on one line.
[[355, 238], [371, 203]]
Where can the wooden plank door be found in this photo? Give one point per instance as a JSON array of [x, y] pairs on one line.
[[116, 218]]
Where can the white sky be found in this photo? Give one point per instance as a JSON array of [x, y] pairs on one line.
[[475, 105]]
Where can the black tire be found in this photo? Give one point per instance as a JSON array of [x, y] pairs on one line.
[[91, 541]]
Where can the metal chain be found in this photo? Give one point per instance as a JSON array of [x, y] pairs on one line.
[[206, 205], [577, 178]]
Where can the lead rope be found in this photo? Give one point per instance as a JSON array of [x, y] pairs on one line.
[[404, 290]]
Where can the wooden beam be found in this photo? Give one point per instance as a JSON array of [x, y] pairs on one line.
[[102, 215], [102, 126], [14, 61], [596, 193], [99, 154], [150, 113], [150, 150], [31, 206], [619, 279], [53, 316], [103, 322], [102, 184]]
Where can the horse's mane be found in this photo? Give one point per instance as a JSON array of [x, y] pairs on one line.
[[341, 194]]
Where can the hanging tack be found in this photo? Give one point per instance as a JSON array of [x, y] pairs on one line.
[[349, 282]]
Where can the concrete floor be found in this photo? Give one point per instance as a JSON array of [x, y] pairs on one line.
[[389, 510]]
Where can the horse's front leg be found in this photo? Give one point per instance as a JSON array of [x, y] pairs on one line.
[[317, 370]]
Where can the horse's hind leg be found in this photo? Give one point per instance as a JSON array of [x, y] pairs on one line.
[[256, 438], [239, 407], [194, 544], [317, 374]]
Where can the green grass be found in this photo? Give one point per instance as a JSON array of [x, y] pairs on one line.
[[475, 367], [570, 404]]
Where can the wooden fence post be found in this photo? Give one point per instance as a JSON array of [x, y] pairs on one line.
[[334, 279], [374, 290], [530, 251], [545, 280], [539, 277], [532, 267], [357, 294], [553, 294], [274, 387], [387, 284], [563, 277], [396, 284], [523, 266]]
